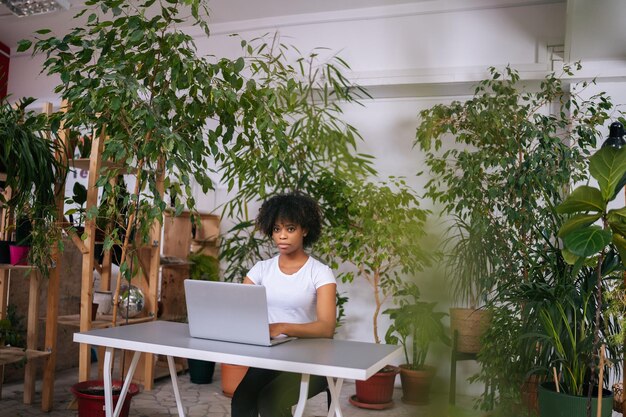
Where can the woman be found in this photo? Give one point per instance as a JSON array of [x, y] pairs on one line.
[[300, 297]]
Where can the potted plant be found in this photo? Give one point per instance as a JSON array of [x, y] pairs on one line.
[[594, 234], [79, 197], [206, 268], [380, 228], [469, 269], [501, 158], [415, 325], [32, 171]]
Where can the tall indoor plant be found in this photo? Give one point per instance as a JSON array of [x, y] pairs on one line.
[[136, 77], [377, 230], [503, 157], [594, 234], [415, 325]]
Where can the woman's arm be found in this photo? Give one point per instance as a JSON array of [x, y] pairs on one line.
[[326, 317]]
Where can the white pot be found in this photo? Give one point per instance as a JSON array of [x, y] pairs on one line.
[[104, 299]]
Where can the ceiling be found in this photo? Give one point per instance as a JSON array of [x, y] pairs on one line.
[[13, 29], [594, 30]]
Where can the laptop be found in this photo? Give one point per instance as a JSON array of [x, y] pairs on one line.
[[229, 312]]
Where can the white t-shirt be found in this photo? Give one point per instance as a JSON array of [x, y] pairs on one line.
[[291, 298]]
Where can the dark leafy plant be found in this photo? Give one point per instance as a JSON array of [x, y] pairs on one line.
[[29, 157], [415, 325], [204, 267], [12, 329], [79, 198], [587, 242]]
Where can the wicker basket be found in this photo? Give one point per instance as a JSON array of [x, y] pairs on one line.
[[618, 397]]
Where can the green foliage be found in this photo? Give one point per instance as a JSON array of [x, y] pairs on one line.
[[503, 158], [292, 138], [415, 325], [588, 243], [12, 329], [204, 267], [377, 228], [132, 76], [79, 198], [499, 163], [28, 158]]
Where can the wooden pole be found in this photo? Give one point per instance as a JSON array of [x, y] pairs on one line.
[[600, 381], [54, 282], [86, 292]]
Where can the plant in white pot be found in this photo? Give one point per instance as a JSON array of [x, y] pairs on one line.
[[415, 325], [381, 227]]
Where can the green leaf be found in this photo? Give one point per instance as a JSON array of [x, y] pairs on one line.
[[608, 166], [588, 241], [24, 45], [620, 243], [569, 257], [576, 222], [582, 199]]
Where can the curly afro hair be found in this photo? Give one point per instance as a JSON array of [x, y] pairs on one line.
[[293, 207]]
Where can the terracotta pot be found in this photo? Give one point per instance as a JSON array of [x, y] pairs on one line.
[[470, 324], [416, 384], [231, 377], [529, 393], [378, 389]]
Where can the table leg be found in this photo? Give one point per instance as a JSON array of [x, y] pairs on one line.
[[173, 375], [304, 393], [335, 390], [108, 383]]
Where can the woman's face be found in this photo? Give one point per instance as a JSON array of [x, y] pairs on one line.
[[288, 237]]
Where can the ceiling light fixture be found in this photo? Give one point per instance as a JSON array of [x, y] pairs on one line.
[[24, 8]]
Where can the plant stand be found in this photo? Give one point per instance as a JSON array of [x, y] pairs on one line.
[[457, 356], [49, 351]]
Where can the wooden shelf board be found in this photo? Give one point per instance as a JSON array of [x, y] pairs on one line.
[[174, 262], [83, 163], [23, 267], [101, 321], [14, 354]]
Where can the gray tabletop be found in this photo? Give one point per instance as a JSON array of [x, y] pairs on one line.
[[327, 357]]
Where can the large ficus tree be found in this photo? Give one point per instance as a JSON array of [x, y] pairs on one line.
[[129, 72]]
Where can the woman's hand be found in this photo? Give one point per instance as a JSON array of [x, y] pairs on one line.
[[276, 329]]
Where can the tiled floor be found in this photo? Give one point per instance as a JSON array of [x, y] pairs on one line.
[[199, 400]]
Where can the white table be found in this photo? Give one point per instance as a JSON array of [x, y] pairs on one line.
[[334, 359]]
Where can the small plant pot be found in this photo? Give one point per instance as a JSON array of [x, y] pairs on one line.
[[90, 397], [416, 384], [201, 372], [5, 252], [470, 324], [19, 254], [377, 389]]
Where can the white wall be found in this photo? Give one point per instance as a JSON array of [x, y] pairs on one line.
[[411, 56]]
